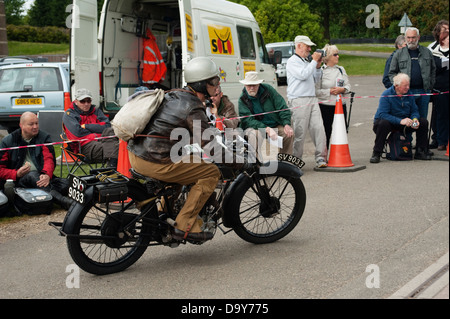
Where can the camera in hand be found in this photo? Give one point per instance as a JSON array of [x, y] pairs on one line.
[[322, 52], [208, 103]]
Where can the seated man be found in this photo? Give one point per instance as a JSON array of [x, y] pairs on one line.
[[32, 167], [83, 121], [222, 113], [395, 112], [257, 98]]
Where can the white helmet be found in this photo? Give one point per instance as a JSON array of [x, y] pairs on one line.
[[200, 69]]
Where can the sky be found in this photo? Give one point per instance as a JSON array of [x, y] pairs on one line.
[[27, 5]]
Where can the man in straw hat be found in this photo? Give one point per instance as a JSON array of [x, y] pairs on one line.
[[302, 73], [260, 104]]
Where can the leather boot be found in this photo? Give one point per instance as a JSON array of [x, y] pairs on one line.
[[375, 157], [63, 201], [422, 154]]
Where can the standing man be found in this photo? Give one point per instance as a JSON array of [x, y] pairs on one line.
[[400, 42], [32, 167], [301, 77], [418, 63], [83, 121]]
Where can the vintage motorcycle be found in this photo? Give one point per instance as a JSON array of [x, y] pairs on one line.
[[114, 218]]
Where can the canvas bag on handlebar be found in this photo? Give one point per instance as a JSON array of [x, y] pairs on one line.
[[134, 116]]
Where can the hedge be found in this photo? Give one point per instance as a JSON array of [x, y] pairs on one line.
[[26, 33]]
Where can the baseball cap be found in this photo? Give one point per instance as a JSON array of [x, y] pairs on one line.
[[81, 94], [304, 39]]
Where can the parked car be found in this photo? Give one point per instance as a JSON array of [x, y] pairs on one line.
[[287, 50], [32, 87]]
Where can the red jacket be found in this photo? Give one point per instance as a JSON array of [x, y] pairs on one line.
[[94, 120], [43, 157], [154, 67]]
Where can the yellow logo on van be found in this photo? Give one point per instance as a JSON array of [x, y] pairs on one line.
[[221, 40]]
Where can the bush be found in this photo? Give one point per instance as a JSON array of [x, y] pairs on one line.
[[26, 33]]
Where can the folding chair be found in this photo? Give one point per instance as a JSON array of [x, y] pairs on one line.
[[73, 159]]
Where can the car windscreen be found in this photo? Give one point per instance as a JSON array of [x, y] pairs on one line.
[[30, 79], [286, 51]]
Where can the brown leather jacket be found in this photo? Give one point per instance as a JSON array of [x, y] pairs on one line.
[[227, 110], [179, 110]]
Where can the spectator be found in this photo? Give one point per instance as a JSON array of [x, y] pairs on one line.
[[334, 81], [257, 98], [398, 112], [222, 113], [418, 63], [83, 121], [301, 77], [400, 42], [440, 113], [32, 167]]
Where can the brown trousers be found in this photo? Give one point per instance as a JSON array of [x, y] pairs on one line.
[[203, 175]]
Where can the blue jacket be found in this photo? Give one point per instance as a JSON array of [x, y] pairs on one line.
[[395, 108]]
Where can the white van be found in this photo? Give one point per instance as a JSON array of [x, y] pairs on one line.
[[287, 50], [110, 62]]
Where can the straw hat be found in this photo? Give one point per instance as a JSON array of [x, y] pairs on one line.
[[251, 78]]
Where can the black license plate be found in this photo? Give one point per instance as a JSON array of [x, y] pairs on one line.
[[77, 189], [291, 159]]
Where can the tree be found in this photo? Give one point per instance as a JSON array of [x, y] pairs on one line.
[[14, 11], [284, 20], [423, 14], [3, 36], [344, 18], [49, 13]]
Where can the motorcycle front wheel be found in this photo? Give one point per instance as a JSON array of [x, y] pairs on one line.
[[105, 241], [269, 208]]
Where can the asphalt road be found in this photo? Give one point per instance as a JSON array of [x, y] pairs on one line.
[[364, 234]]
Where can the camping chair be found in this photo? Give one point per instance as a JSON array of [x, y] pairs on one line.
[[72, 158]]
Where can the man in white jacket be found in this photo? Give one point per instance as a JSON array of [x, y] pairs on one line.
[[301, 77]]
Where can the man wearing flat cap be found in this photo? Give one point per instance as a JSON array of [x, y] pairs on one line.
[[302, 73], [260, 106], [84, 122]]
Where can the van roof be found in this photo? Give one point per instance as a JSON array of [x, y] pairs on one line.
[[280, 44], [224, 8]]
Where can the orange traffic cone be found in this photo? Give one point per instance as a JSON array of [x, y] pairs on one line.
[[65, 156], [339, 151], [446, 154], [123, 162]]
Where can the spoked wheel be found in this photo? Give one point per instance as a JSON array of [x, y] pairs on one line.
[[270, 210], [105, 241]]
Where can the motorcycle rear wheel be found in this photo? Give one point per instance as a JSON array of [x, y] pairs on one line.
[[110, 249], [272, 212]]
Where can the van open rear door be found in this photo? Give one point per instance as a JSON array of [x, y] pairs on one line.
[[187, 31], [84, 71]]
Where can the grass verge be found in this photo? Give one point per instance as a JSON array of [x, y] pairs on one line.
[[355, 65], [32, 48]]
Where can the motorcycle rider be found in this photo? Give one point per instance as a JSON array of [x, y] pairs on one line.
[[156, 155]]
